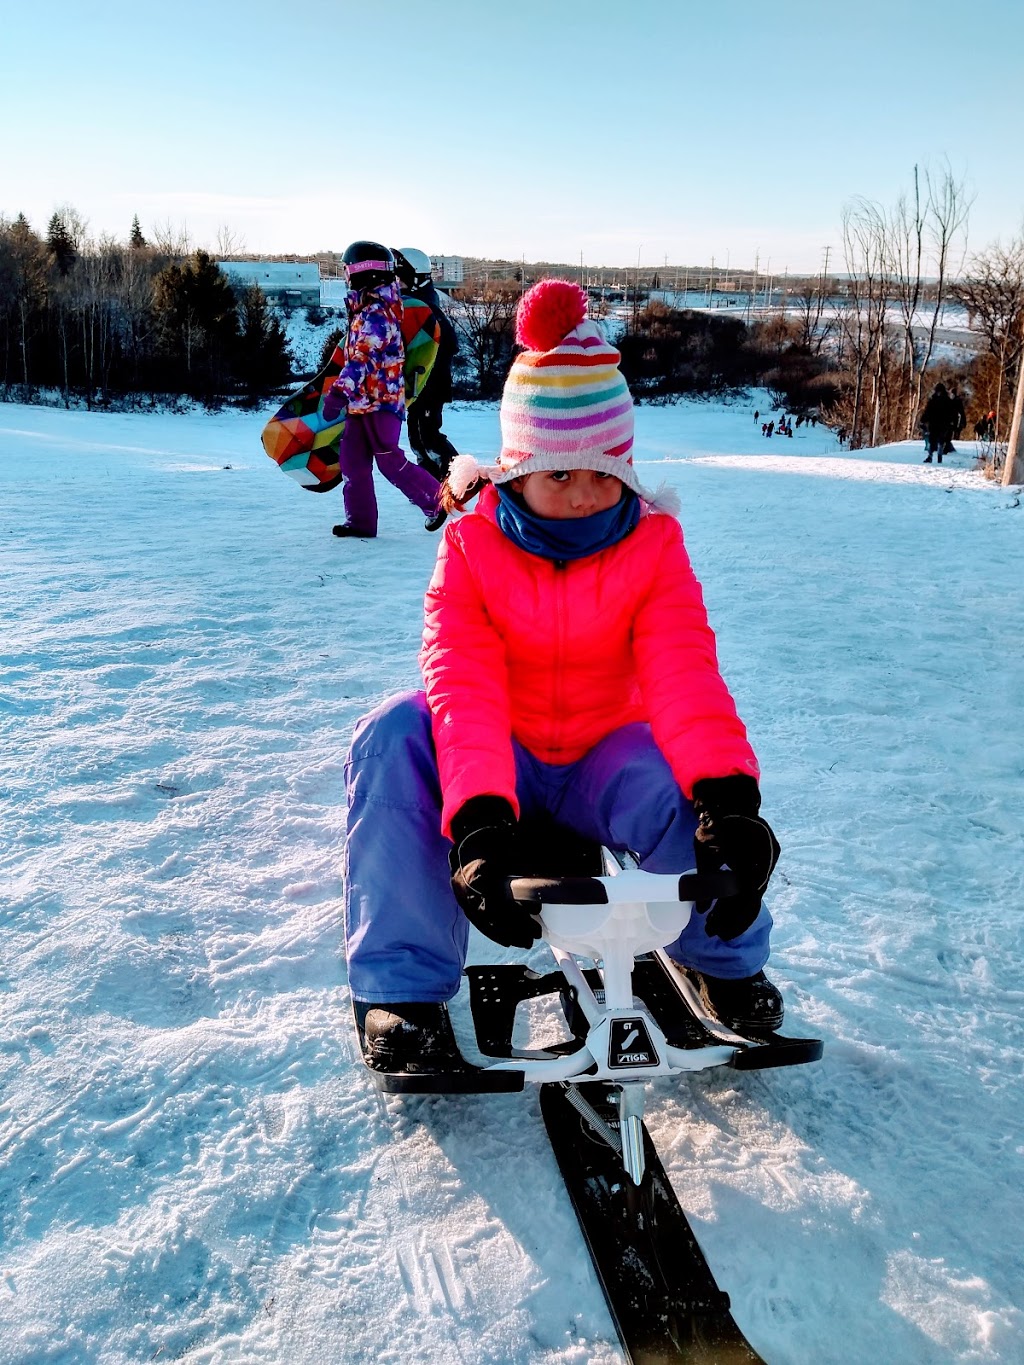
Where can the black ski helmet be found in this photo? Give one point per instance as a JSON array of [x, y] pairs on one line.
[[403, 269], [367, 264]]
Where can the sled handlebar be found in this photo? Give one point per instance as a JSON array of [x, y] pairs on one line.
[[692, 886]]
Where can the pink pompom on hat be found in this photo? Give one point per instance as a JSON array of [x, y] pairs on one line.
[[565, 404]]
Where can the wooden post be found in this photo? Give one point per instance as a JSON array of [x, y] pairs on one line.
[[1013, 471]]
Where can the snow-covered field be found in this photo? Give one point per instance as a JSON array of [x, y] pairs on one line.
[[193, 1166]]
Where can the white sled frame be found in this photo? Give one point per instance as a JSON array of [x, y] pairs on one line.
[[643, 912]]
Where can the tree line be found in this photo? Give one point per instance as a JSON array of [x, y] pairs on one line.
[[862, 352], [99, 321], [102, 321]]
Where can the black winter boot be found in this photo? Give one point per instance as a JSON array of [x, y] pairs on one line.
[[435, 522], [749, 1005], [345, 530], [408, 1036]]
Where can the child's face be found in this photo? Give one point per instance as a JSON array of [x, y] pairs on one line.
[[562, 494]]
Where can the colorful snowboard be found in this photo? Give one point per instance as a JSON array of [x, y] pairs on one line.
[[421, 333], [298, 439]]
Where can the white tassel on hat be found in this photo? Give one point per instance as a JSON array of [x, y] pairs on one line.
[[464, 472]]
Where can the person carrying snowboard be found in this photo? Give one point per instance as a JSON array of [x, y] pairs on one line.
[[570, 673], [371, 385], [433, 449]]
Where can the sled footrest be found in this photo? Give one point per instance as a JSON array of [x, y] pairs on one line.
[[777, 1051], [494, 995], [468, 1081]]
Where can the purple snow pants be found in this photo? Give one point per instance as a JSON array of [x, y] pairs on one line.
[[406, 935], [374, 436]]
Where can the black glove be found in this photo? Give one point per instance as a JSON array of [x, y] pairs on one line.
[[730, 831], [485, 833]]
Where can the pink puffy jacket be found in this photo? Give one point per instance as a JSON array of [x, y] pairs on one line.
[[559, 657]]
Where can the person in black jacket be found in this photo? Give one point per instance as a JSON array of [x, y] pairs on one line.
[[434, 451], [959, 419], [937, 423]]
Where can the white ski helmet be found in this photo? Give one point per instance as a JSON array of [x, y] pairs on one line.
[[420, 263]]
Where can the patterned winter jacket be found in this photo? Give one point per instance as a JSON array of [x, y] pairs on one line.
[[373, 374], [559, 657]]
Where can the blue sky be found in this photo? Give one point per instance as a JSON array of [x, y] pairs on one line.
[[668, 128]]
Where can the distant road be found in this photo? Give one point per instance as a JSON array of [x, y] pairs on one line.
[[962, 339]]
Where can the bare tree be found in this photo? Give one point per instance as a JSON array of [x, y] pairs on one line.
[[807, 307], [924, 248], [947, 213], [485, 318], [905, 249], [229, 243], [171, 239], [862, 322], [993, 294], [96, 280]]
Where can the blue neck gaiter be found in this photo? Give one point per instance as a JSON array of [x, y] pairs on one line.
[[574, 538]]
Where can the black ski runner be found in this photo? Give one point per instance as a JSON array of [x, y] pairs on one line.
[[660, 1290]]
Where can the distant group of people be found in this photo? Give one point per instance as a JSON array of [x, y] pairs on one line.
[[784, 426], [371, 388], [942, 421]]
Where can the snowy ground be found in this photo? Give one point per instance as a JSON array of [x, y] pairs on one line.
[[193, 1167]]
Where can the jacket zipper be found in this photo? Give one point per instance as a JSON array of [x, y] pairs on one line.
[[559, 571]]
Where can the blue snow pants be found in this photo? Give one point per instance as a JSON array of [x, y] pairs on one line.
[[406, 935]]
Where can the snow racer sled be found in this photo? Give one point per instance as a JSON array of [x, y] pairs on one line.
[[632, 1015]]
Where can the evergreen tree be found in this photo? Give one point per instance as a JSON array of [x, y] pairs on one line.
[[23, 281], [136, 241], [262, 358], [61, 245], [197, 321]]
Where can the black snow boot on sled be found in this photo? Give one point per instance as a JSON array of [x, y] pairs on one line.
[[343, 529], [750, 1005], [411, 1036]]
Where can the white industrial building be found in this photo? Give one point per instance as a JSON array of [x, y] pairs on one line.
[[283, 281]]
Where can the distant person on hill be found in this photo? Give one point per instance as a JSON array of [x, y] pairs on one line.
[[959, 419], [937, 423], [757, 414], [371, 385], [985, 430], [771, 428], [434, 451]]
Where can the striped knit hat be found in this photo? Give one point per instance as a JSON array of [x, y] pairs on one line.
[[565, 404]]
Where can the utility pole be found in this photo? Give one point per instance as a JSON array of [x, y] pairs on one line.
[[1013, 471], [752, 296]]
